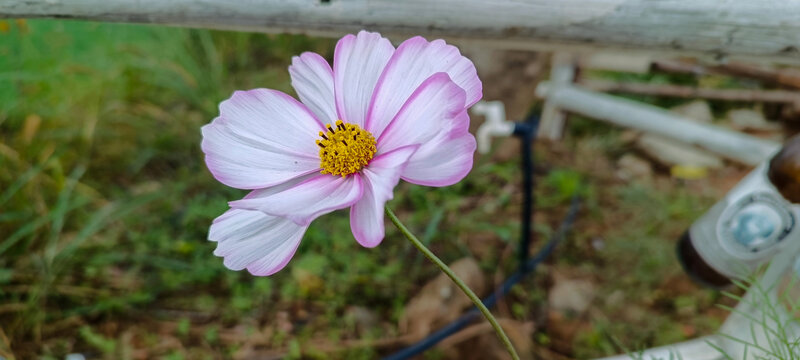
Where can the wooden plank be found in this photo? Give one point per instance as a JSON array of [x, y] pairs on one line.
[[787, 77], [689, 92], [617, 61], [760, 29]]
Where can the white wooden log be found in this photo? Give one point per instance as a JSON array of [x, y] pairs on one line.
[[652, 119], [720, 28]]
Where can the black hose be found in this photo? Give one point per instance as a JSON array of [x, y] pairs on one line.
[[527, 133]]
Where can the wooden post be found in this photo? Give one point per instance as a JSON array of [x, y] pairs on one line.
[[562, 72]]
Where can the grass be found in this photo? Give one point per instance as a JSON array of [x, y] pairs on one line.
[[767, 316], [105, 205], [106, 202]]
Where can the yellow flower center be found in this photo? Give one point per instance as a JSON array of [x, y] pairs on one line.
[[345, 149]]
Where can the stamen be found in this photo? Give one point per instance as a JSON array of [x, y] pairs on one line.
[[341, 157]]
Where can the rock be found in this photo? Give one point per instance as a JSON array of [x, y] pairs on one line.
[[363, 318], [697, 110], [562, 330], [440, 301], [283, 322], [748, 119], [573, 295], [634, 314], [479, 341], [598, 243], [670, 153], [629, 136], [630, 167], [615, 299]]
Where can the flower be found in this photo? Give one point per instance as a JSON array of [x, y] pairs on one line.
[[379, 115]]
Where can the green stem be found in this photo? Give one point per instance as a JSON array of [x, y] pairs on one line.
[[475, 300]]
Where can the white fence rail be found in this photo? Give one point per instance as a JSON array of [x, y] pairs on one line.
[[720, 28]]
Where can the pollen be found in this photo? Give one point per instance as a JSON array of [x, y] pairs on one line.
[[345, 148]]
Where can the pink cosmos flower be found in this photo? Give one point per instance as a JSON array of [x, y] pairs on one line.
[[380, 115]]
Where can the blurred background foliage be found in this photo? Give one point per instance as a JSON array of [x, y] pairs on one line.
[[105, 201], [105, 204]]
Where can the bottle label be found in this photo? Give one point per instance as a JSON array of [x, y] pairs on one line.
[[755, 223]]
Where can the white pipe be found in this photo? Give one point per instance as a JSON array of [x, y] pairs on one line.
[[495, 124], [631, 114]]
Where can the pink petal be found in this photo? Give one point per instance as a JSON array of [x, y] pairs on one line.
[[304, 199], [261, 138], [312, 78], [380, 177], [251, 239], [357, 63], [445, 159], [415, 60], [433, 106]]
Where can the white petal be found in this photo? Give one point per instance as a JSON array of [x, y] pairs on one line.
[[433, 107], [304, 199], [251, 239], [380, 178], [312, 78], [357, 63], [415, 60], [442, 161], [246, 163], [261, 138]]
